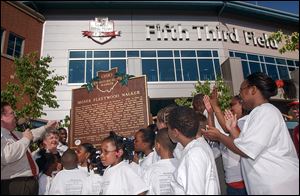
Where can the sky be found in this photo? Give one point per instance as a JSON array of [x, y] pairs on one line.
[[286, 6]]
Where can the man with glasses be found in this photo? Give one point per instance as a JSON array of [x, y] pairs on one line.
[[18, 169]]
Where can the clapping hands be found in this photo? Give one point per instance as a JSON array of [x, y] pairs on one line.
[[230, 120], [206, 101], [211, 133]]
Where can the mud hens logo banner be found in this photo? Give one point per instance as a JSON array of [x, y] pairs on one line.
[[101, 30]]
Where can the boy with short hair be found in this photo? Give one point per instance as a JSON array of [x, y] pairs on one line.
[[197, 172], [160, 174], [71, 180]]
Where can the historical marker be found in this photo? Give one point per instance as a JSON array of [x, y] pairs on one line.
[[110, 106]]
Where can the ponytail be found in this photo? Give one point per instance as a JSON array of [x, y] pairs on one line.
[[95, 161]]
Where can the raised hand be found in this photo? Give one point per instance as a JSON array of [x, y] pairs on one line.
[[230, 120], [28, 134], [214, 96], [206, 101], [51, 123]]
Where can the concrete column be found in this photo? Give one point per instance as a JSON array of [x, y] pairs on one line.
[[134, 66], [295, 78], [233, 76]]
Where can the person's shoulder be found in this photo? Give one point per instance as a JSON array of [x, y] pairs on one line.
[[264, 110], [123, 166], [80, 172], [61, 172], [198, 149], [166, 164], [154, 167], [268, 107]]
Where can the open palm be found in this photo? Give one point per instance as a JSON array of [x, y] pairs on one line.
[[230, 120], [207, 104]]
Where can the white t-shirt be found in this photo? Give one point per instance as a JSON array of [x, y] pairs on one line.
[[159, 176], [44, 184], [241, 122], [83, 169], [94, 182], [197, 173], [137, 168], [273, 165], [214, 145], [69, 182], [147, 161], [178, 151], [121, 179], [215, 148], [231, 160]]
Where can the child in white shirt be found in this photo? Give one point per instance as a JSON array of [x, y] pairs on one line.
[[160, 174], [268, 158], [96, 174], [119, 178], [71, 180], [196, 173], [144, 142], [84, 152], [49, 167]]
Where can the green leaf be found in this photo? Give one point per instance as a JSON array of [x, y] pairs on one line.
[[35, 81], [224, 97], [184, 101]]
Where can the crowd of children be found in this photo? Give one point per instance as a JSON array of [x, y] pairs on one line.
[[178, 155]]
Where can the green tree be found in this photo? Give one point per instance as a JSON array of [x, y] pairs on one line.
[[290, 42], [224, 95], [35, 81], [65, 123], [183, 101]]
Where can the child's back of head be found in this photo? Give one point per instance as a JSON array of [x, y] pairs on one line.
[[166, 146], [185, 120], [69, 159], [162, 116]]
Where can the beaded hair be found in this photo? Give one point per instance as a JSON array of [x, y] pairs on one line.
[[126, 144]]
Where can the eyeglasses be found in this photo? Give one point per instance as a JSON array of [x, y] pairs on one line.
[[106, 152]]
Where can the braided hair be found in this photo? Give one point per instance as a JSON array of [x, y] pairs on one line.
[[89, 148], [95, 162], [126, 144]]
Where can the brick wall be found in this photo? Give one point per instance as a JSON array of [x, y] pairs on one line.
[[16, 19]]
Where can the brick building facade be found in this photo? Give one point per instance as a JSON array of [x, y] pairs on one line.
[[21, 33]]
